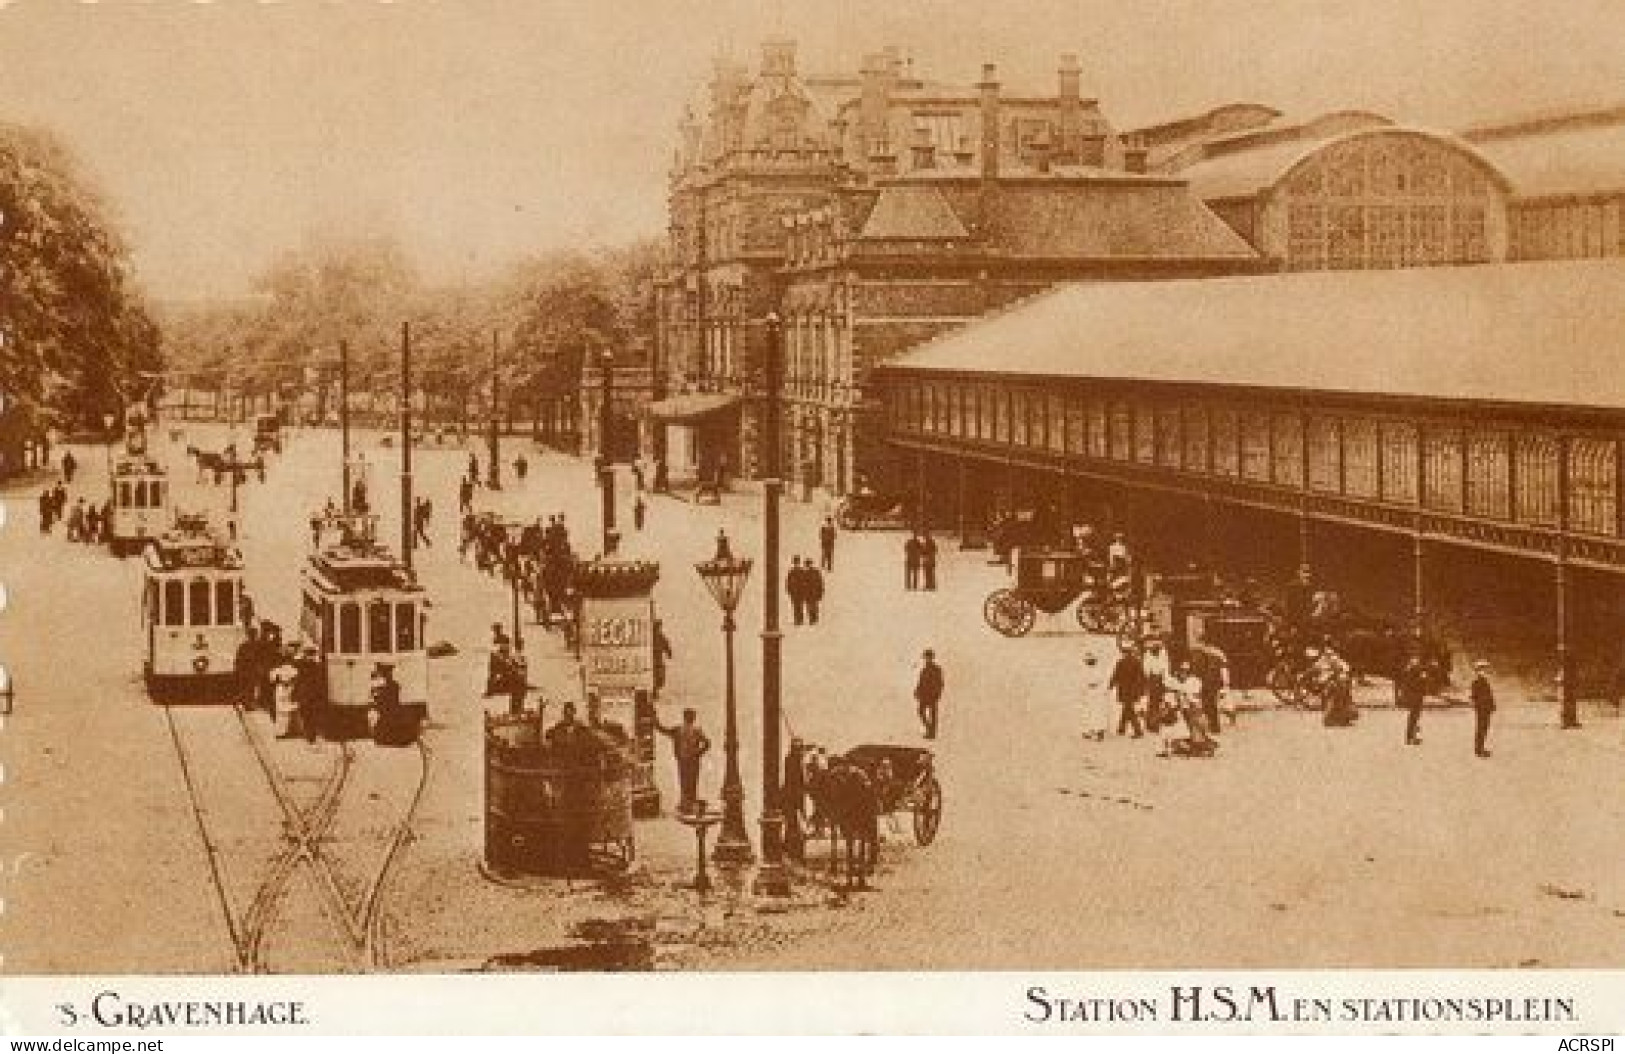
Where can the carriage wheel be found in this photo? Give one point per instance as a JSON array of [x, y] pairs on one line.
[[1285, 684], [1008, 613], [1096, 617], [928, 812]]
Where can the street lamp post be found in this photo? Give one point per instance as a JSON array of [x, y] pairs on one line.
[[493, 474], [107, 426], [606, 471], [515, 533], [725, 578], [771, 878]]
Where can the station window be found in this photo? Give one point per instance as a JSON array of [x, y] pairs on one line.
[[1255, 445], [174, 603], [1224, 442], [198, 606], [1398, 462], [225, 602], [1324, 454], [1168, 439], [1122, 431], [349, 629], [1361, 458], [1196, 439], [378, 626], [1145, 434], [1593, 502], [1286, 445], [1537, 480], [1441, 463], [1488, 476], [1058, 425], [406, 627]]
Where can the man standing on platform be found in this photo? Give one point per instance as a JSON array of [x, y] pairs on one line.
[[1409, 694], [1483, 707], [795, 587], [826, 544], [689, 745], [812, 589]]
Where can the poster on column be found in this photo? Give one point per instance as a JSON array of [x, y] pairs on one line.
[[617, 650]]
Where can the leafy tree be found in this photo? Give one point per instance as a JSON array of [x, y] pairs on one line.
[[79, 341]]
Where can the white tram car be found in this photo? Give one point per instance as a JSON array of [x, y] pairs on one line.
[[362, 609], [191, 608], [139, 501]]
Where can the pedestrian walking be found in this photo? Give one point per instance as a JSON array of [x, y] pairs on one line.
[[1483, 697], [520, 467], [1155, 665], [1212, 668], [248, 667], [928, 562], [465, 496], [912, 553], [47, 510], [1409, 694], [474, 469], [639, 511], [928, 693], [689, 745], [1097, 700], [1128, 681], [826, 544], [795, 589], [308, 696], [76, 521], [70, 465], [282, 678], [637, 477], [663, 654], [812, 589]]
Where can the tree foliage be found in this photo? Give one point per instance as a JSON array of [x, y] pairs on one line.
[[79, 342]]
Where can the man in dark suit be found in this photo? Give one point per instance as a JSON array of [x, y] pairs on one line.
[[928, 693], [1128, 681], [1409, 694], [826, 544], [795, 587], [912, 552], [812, 588], [1483, 707]]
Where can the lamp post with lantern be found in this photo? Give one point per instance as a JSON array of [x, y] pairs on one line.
[[772, 879], [725, 577]]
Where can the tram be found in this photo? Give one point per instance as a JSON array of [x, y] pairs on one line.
[[363, 609], [139, 501], [191, 607]]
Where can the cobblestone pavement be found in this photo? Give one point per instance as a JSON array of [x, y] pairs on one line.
[[1296, 846]]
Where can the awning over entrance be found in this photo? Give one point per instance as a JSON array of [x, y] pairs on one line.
[[693, 407]]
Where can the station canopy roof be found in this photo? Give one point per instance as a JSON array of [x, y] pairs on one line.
[[1550, 334], [1562, 161], [694, 406]]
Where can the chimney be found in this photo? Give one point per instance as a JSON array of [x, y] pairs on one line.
[[1070, 73], [1069, 145], [989, 91], [923, 149], [779, 58], [879, 81], [1134, 154]]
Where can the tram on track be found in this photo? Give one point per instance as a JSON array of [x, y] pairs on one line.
[[139, 498], [191, 608], [363, 609]]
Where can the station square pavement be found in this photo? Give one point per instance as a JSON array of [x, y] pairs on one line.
[[1296, 846]]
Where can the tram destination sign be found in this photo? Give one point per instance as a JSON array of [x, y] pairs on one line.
[[617, 650]]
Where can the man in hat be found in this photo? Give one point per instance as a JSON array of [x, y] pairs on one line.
[[1409, 693], [1154, 664], [1128, 681], [309, 693], [928, 693], [689, 745], [1483, 697]]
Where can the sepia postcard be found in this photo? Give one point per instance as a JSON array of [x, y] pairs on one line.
[[902, 516]]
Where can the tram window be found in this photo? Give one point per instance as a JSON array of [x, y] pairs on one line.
[[174, 604], [327, 630], [405, 628], [378, 627], [225, 603], [124, 494], [349, 629], [198, 594], [140, 494], [149, 604]]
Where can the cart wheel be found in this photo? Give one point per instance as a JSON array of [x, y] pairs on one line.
[[1285, 685], [928, 813], [1008, 613]]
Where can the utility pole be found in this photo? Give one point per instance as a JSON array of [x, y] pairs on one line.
[[344, 418], [493, 475], [408, 533], [606, 471]]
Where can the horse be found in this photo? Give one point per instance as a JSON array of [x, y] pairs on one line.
[[845, 796], [209, 461]]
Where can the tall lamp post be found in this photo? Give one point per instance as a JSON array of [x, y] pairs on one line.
[[725, 578], [493, 474], [515, 533], [771, 878], [606, 471]]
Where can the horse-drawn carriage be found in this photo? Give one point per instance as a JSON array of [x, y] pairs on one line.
[[867, 510], [850, 793], [1049, 580], [267, 434], [1368, 644]]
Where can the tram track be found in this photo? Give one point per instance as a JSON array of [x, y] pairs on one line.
[[266, 851]]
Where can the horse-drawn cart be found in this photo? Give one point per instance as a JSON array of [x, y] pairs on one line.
[[1049, 580], [905, 780]]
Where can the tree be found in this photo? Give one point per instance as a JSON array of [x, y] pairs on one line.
[[80, 342]]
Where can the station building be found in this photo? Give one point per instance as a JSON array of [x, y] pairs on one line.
[[1419, 413]]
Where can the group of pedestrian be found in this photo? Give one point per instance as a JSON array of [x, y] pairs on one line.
[[1153, 694], [920, 562], [284, 679], [804, 584]]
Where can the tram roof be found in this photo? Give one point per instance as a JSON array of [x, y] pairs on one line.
[[1548, 334], [355, 570]]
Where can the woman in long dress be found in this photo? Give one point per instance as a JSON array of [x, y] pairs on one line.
[[1097, 706]]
